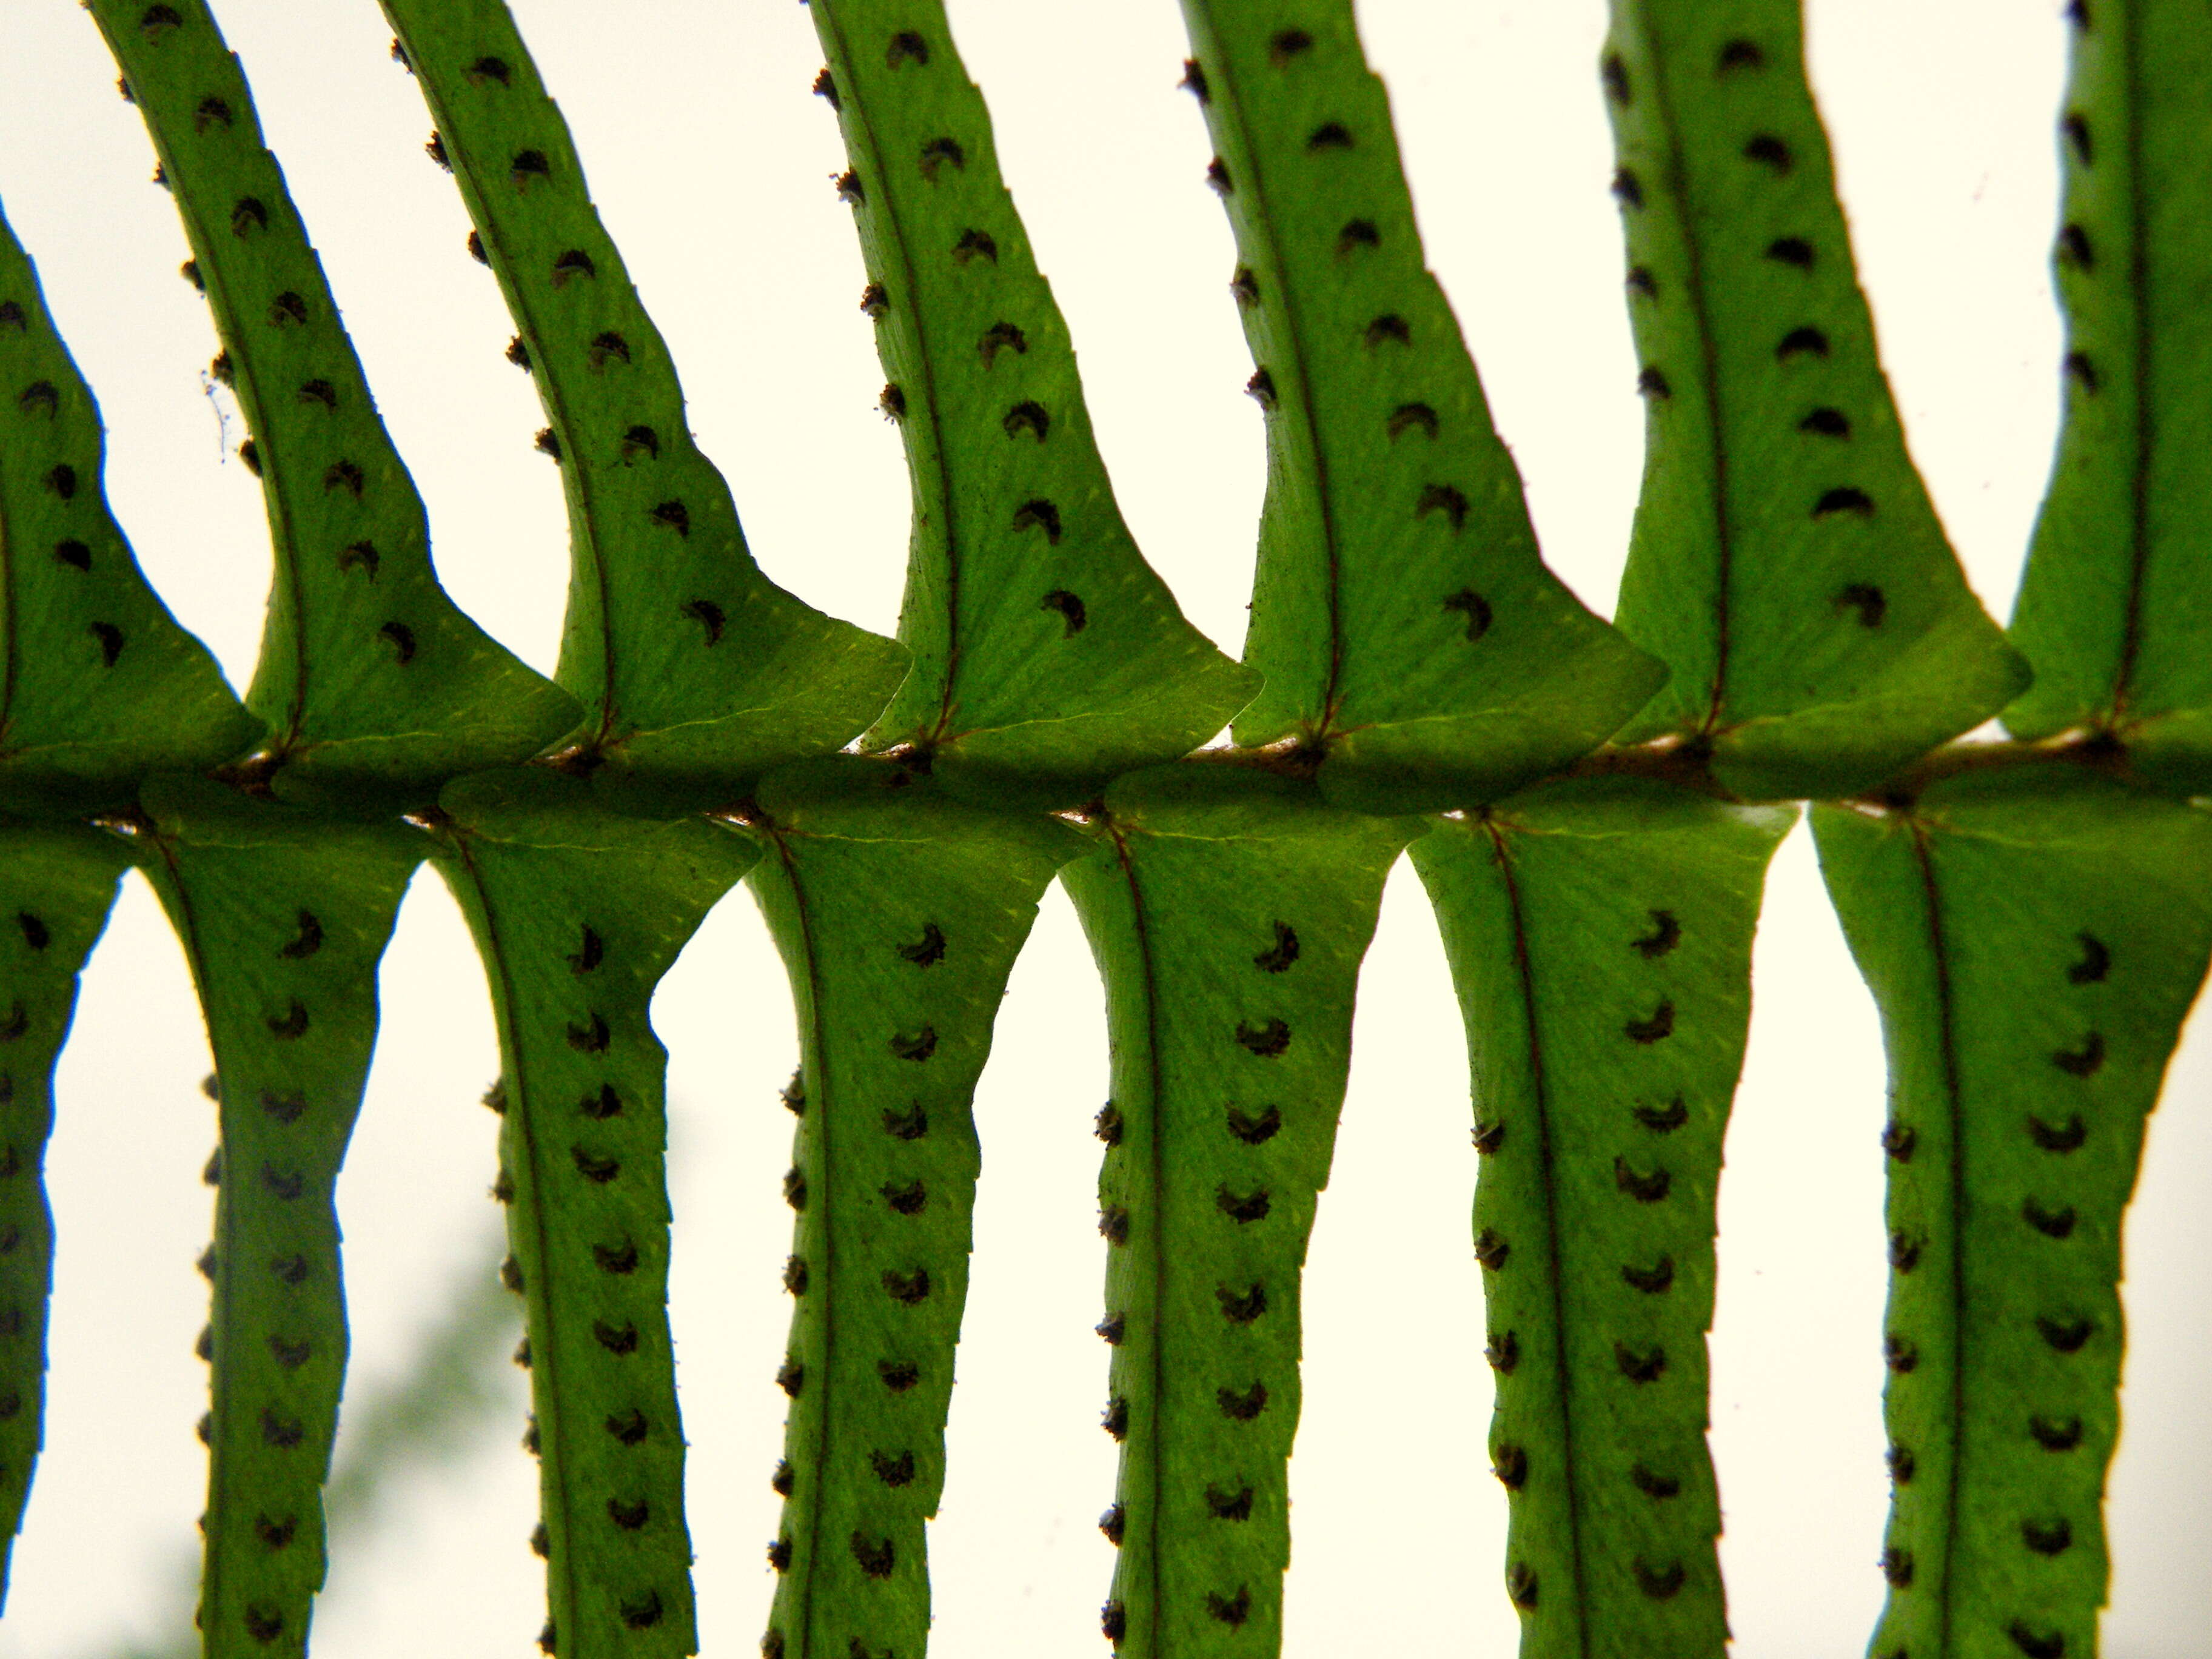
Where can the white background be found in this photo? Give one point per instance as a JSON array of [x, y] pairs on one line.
[[711, 162]]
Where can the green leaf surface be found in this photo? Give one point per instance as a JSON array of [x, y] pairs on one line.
[[1600, 938], [686, 658], [283, 917], [1228, 911], [98, 684], [2117, 600], [369, 675], [56, 886], [1047, 655], [1407, 626], [898, 913], [577, 914], [1786, 559], [2034, 939]]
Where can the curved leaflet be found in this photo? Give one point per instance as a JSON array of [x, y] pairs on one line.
[[2115, 603], [97, 681], [369, 677], [689, 661], [56, 886], [1786, 559], [898, 913], [1047, 655], [577, 914], [283, 918], [2034, 939], [1600, 937], [1412, 638], [1228, 910]]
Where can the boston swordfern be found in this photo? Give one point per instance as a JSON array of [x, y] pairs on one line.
[[1592, 807]]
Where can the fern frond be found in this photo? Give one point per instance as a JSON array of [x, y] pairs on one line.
[[1228, 911], [578, 912], [690, 664], [898, 913], [1786, 559], [2034, 939], [1413, 640], [1048, 656], [283, 918], [1600, 937], [369, 677]]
